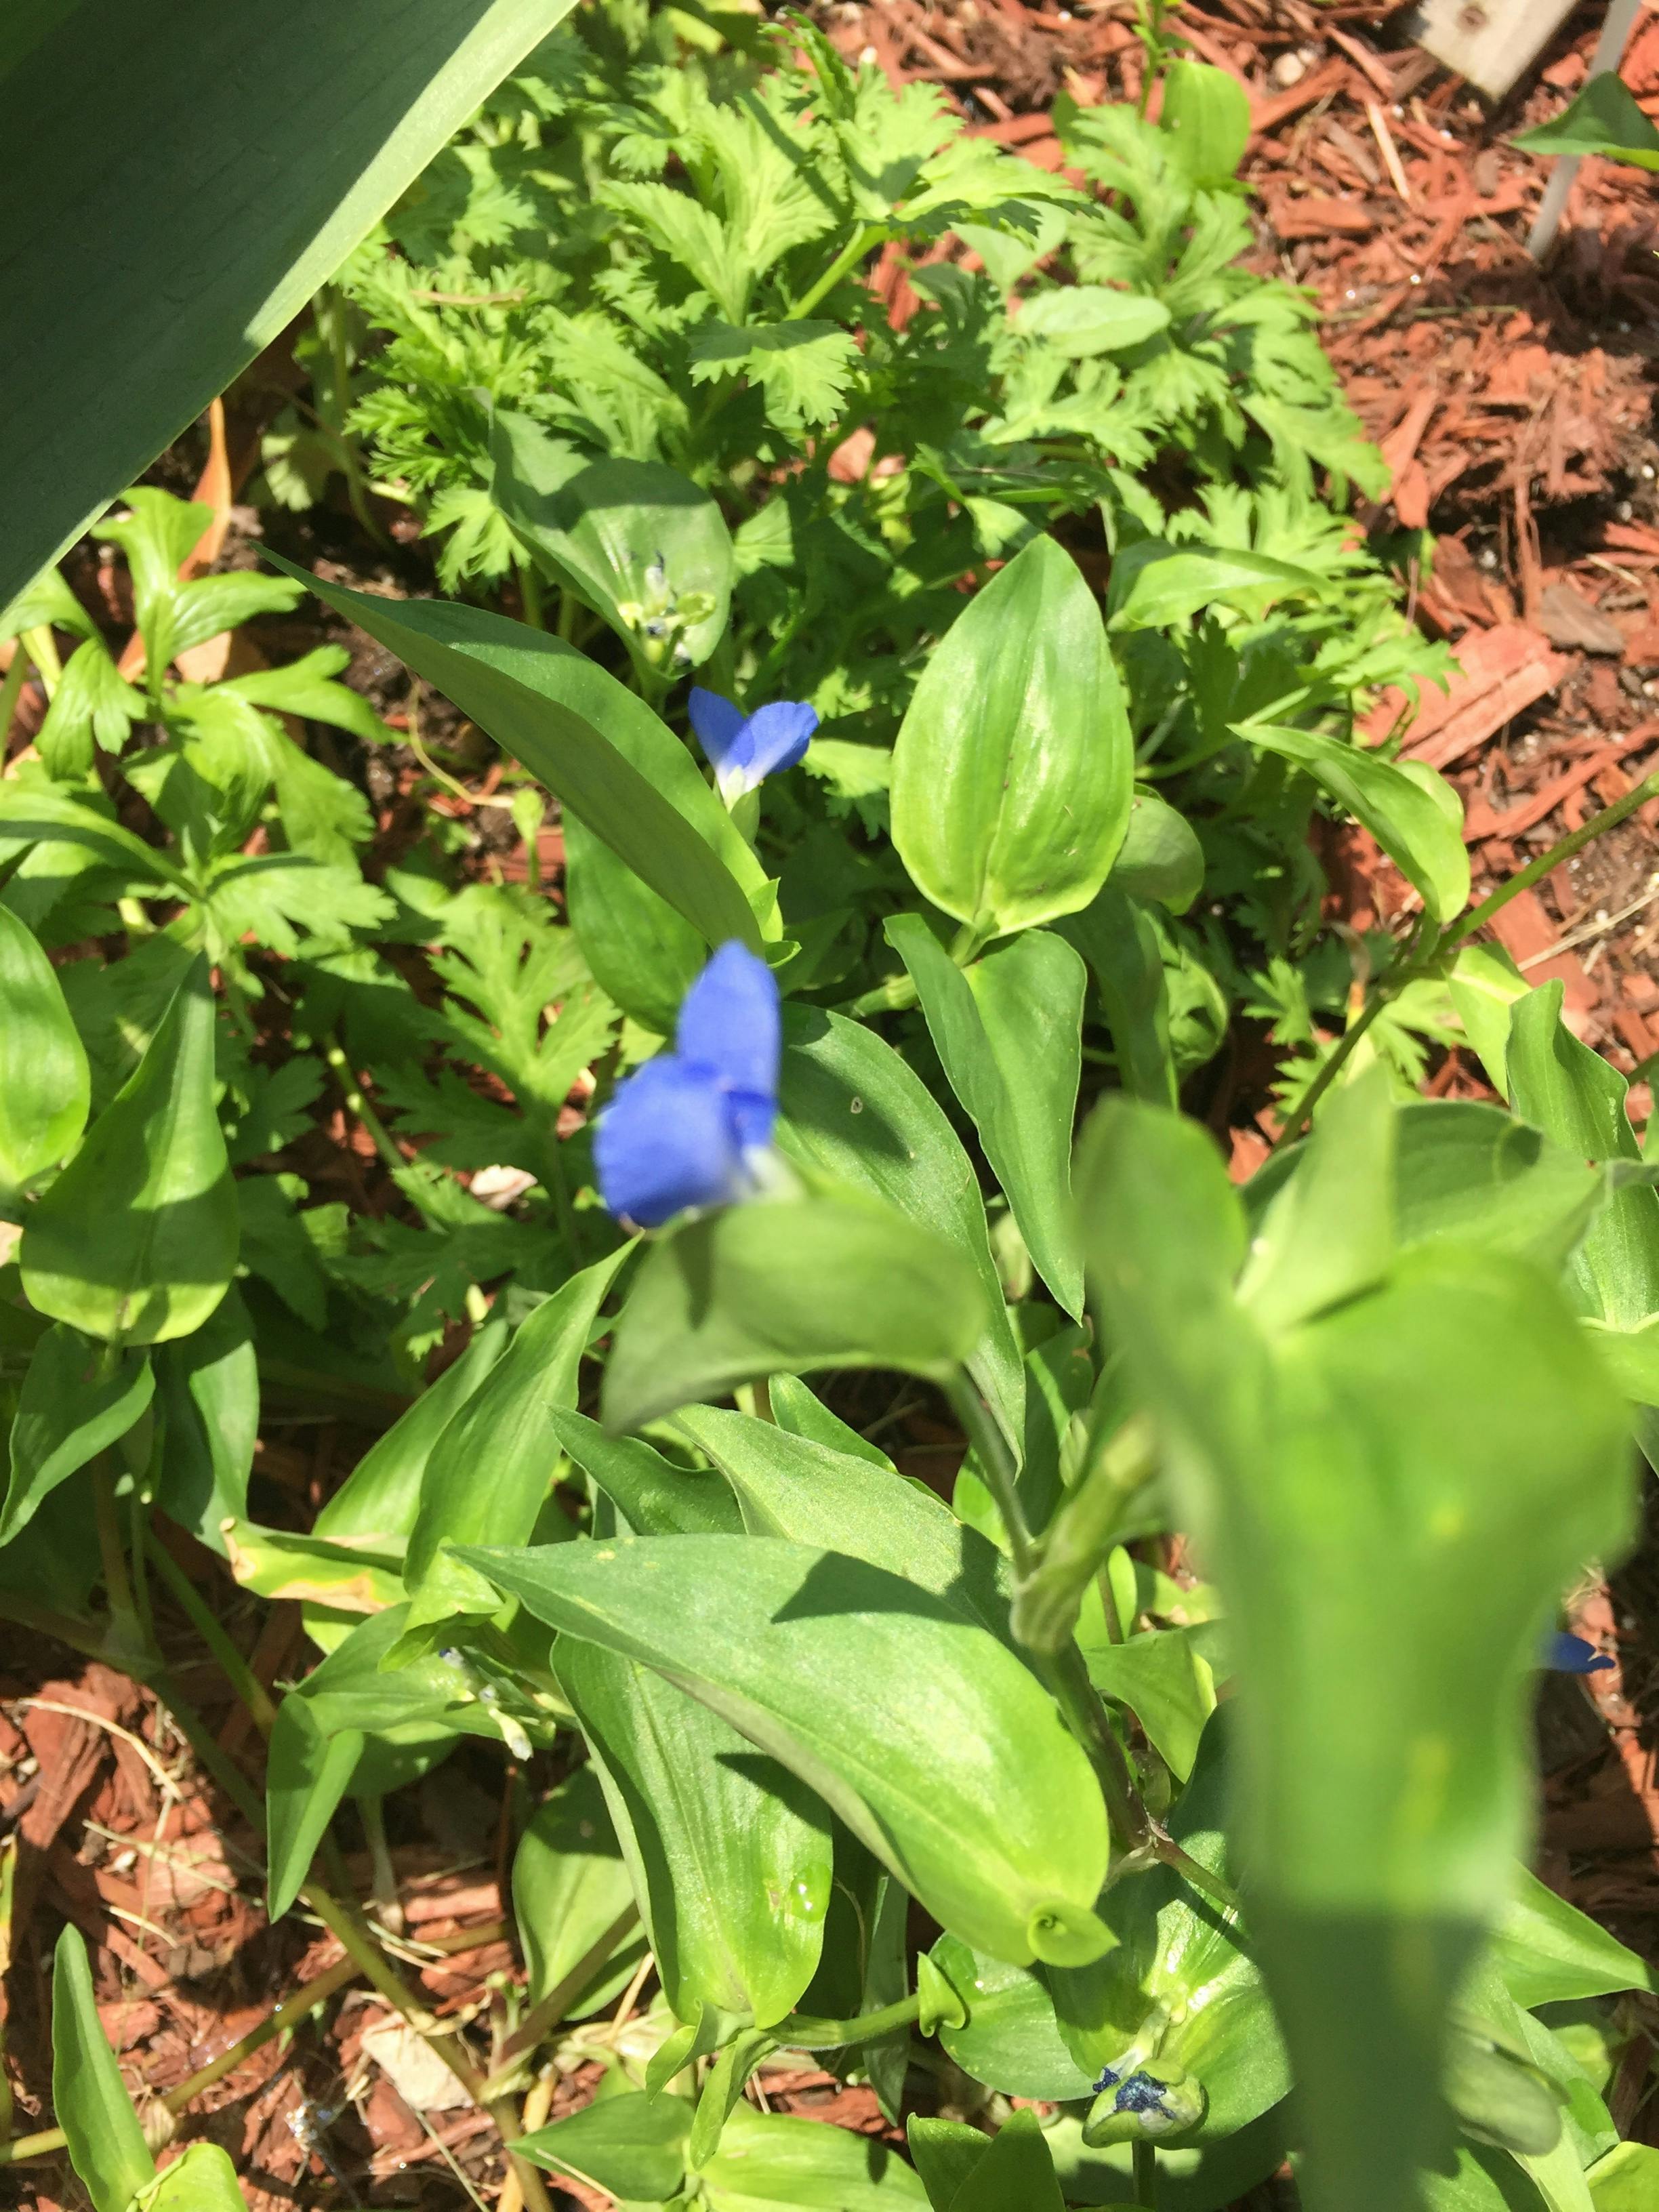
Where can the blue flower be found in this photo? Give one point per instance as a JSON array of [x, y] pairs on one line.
[[1570, 1655], [693, 1125], [744, 749]]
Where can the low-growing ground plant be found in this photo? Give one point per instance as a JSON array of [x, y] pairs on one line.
[[935, 709]]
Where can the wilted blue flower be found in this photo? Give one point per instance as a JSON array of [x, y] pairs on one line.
[[743, 749], [1570, 1655], [693, 1125]]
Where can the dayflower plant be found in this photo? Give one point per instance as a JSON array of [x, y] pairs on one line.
[[744, 749], [693, 1127]]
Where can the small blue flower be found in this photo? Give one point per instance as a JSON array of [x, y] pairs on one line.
[[691, 1127], [744, 749], [1570, 1655]]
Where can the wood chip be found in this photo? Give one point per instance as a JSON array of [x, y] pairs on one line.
[[1504, 670]]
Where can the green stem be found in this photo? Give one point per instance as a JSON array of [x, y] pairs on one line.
[[1145, 2171], [358, 1106], [1349, 1038], [996, 1465], [237, 1672], [1566, 849], [11, 689], [851, 254], [127, 1634], [558, 1189], [530, 593], [42, 649], [801, 2033], [550, 2010]]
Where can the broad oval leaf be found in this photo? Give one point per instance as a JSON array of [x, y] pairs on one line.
[[633, 2146], [592, 741], [936, 1745], [1009, 1032], [46, 1086], [786, 1285], [642, 951], [854, 1110], [770, 2162], [642, 545], [730, 1855], [1011, 2040], [1013, 770], [1206, 115], [1160, 857], [136, 1241]]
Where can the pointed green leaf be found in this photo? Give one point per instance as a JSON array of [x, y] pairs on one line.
[[201, 2179], [855, 1110], [1550, 1953], [729, 1855], [188, 272], [306, 1774], [137, 1240], [595, 745], [208, 1387], [788, 1285], [106, 2145], [1116, 938], [78, 1398], [502, 1426], [632, 2146], [767, 2162], [1626, 2179], [45, 1085], [657, 1498], [1016, 2174], [1415, 815], [1012, 772], [804, 1413], [1604, 119], [980, 1801], [1206, 113], [1009, 1030]]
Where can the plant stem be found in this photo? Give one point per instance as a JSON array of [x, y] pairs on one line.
[[550, 2010], [126, 1633], [11, 689], [530, 593], [1566, 849], [240, 1676], [996, 1465], [850, 255], [359, 1106], [1146, 2170], [42, 649], [801, 2033], [1346, 1044]]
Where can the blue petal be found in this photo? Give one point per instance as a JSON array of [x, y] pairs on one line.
[[667, 1140], [718, 724], [729, 1025], [1570, 1655], [778, 736]]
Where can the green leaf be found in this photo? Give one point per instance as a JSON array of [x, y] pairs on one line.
[[1009, 1030], [593, 742], [1550, 1953], [853, 1110], [1625, 2180], [644, 954], [201, 2179], [1206, 116], [1604, 119], [1415, 815], [804, 369], [94, 705], [979, 1802], [1393, 1499], [379, 1500], [788, 1285], [729, 1856], [570, 1886], [944, 2152], [1016, 2173], [1166, 1679], [642, 545], [106, 2145], [1078, 321], [796, 1408], [1158, 586], [1117, 938], [655, 1497], [208, 1394], [1012, 772], [812, 1494], [188, 272], [503, 1425], [633, 2145], [307, 1772], [1010, 2039], [135, 1242], [1329, 1233], [1576, 1098], [1484, 984], [78, 1398], [1160, 857], [768, 2163]]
